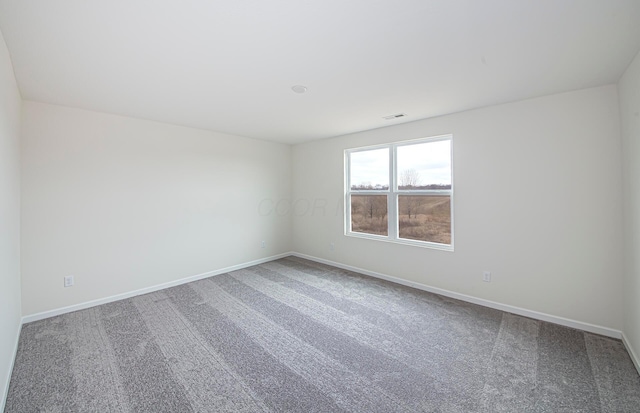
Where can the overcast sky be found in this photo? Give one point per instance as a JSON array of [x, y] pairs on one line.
[[432, 161]]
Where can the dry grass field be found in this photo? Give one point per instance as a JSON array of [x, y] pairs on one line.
[[425, 218], [422, 217], [369, 214]]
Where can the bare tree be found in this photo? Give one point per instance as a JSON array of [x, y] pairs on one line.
[[369, 214], [409, 178], [370, 206], [410, 205], [356, 205], [382, 207], [376, 206]]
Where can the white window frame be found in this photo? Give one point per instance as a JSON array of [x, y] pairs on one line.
[[393, 193]]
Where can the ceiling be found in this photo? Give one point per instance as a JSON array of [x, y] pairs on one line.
[[229, 66]]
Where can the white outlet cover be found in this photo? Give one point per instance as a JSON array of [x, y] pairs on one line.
[[486, 276], [68, 281]]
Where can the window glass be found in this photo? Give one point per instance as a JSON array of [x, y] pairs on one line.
[[425, 218], [424, 165], [369, 214], [370, 169]]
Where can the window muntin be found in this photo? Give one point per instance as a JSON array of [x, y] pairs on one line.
[[414, 179]]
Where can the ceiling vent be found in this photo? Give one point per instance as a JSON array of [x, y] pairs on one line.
[[396, 116]]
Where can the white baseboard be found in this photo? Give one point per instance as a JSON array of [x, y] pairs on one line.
[[5, 393], [93, 303], [632, 354], [605, 331]]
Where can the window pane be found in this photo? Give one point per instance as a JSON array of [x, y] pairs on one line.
[[425, 218], [369, 214], [370, 169], [424, 165]]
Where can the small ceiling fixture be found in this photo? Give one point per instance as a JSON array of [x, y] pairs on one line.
[[396, 116], [299, 88]]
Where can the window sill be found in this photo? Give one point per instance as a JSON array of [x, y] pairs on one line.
[[384, 238]]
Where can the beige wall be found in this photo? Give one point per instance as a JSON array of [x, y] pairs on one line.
[[124, 204], [629, 91], [537, 202], [9, 217]]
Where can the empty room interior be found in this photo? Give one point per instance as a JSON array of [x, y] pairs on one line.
[[331, 206]]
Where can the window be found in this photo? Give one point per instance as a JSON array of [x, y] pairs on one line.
[[401, 192]]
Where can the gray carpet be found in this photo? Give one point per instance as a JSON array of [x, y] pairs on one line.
[[297, 336]]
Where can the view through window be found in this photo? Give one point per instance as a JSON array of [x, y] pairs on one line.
[[401, 192]]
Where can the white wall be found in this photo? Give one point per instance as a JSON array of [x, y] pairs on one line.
[[537, 202], [10, 102], [123, 204], [629, 92]]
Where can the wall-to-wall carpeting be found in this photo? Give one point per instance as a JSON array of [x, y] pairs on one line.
[[297, 336]]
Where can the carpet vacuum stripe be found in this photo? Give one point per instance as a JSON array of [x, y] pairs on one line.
[[294, 335]]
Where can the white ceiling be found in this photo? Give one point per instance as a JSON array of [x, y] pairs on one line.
[[229, 65]]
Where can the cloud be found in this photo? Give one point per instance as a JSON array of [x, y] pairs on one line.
[[432, 160]]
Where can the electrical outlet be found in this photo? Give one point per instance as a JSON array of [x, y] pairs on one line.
[[332, 247], [263, 244], [486, 276], [68, 281]]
